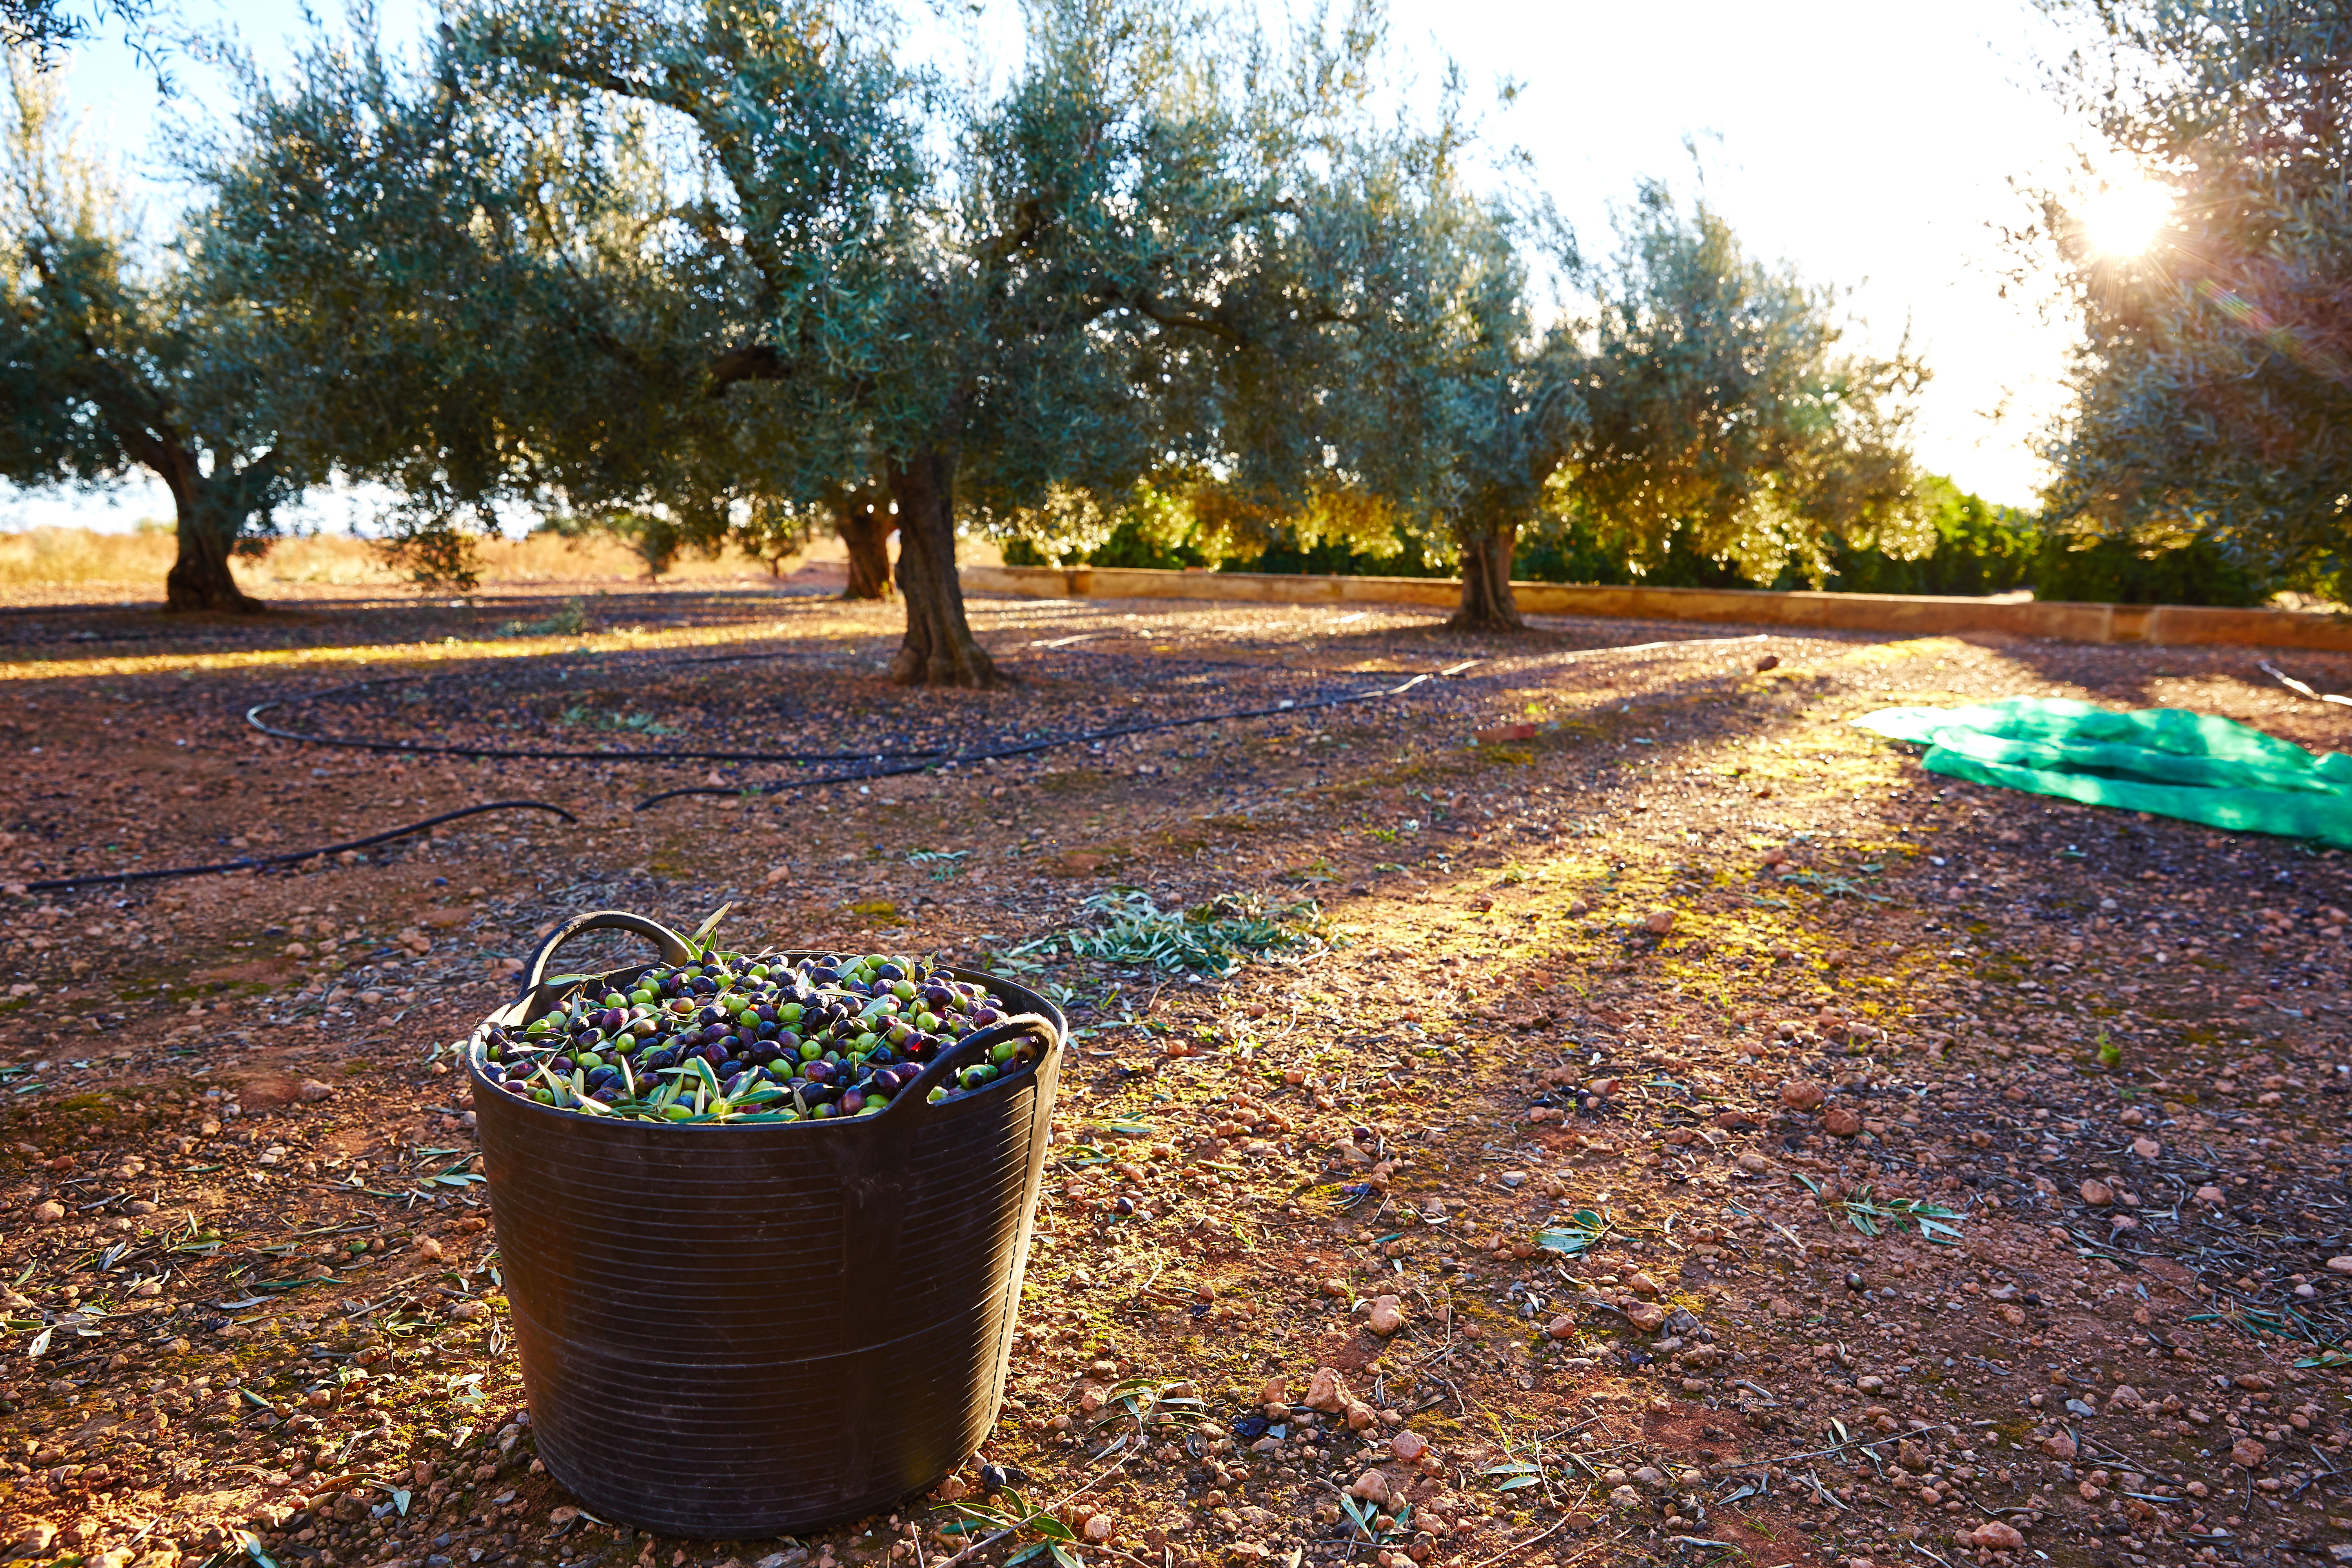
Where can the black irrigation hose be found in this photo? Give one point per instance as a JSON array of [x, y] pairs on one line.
[[1027, 747], [254, 862], [606, 755], [517, 754], [907, 762], [913, 762], [2292, 684]]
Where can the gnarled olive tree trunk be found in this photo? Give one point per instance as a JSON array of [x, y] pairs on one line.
[[863, 519], [1487, 602], [210, 513], [939, 649]]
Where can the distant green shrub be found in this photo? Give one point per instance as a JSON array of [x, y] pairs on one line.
[[1980, 549]]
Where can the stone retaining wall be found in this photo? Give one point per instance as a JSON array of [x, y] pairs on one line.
[[1921, 614]]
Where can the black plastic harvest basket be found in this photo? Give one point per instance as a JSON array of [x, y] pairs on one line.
[[741, 1331]]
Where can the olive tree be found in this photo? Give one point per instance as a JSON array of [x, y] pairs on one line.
[[1507, 402], [2212, 381], [503, 317], [1719, 409], [39, 29], [1001, 297], [116, 357]]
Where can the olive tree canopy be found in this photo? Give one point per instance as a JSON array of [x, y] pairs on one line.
[[1721, 410], [2213, 380], [1001, 299], [118, 356]]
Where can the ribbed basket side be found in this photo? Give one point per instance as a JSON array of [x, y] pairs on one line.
[[763, 1446], [728, 1331]]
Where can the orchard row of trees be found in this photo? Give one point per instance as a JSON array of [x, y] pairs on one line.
[[695, 270]]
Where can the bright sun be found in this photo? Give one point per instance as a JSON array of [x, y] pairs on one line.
[[2123, 219]]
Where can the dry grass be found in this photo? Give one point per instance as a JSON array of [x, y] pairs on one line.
[[58, 557], [78, 557]]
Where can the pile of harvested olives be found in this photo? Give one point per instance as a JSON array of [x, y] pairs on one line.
[[736, 1039]]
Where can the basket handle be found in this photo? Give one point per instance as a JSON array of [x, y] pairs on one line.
[[942, 1066], [673, 948]]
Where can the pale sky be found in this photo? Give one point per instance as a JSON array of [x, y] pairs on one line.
[[1872, 144]]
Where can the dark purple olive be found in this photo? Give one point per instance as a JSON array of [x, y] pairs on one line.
[[516, 1086], [818, 1071], [852, 1102], [660, 1056], [984, 1014]]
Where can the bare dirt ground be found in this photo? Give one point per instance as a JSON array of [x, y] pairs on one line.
[[1566, 1208]]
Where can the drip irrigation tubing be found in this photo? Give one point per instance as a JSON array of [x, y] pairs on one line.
[[2292, 684], [542, 753], [666, 753], [907, 762], [255, 862], [1026, 748], [918, 759], [879, 764]]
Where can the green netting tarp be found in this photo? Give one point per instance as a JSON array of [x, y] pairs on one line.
[[2167, 762]]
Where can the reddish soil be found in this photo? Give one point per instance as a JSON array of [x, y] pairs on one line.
[[1644, 1041]]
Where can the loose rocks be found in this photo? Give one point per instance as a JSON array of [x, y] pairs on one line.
[[1802, 1094]]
